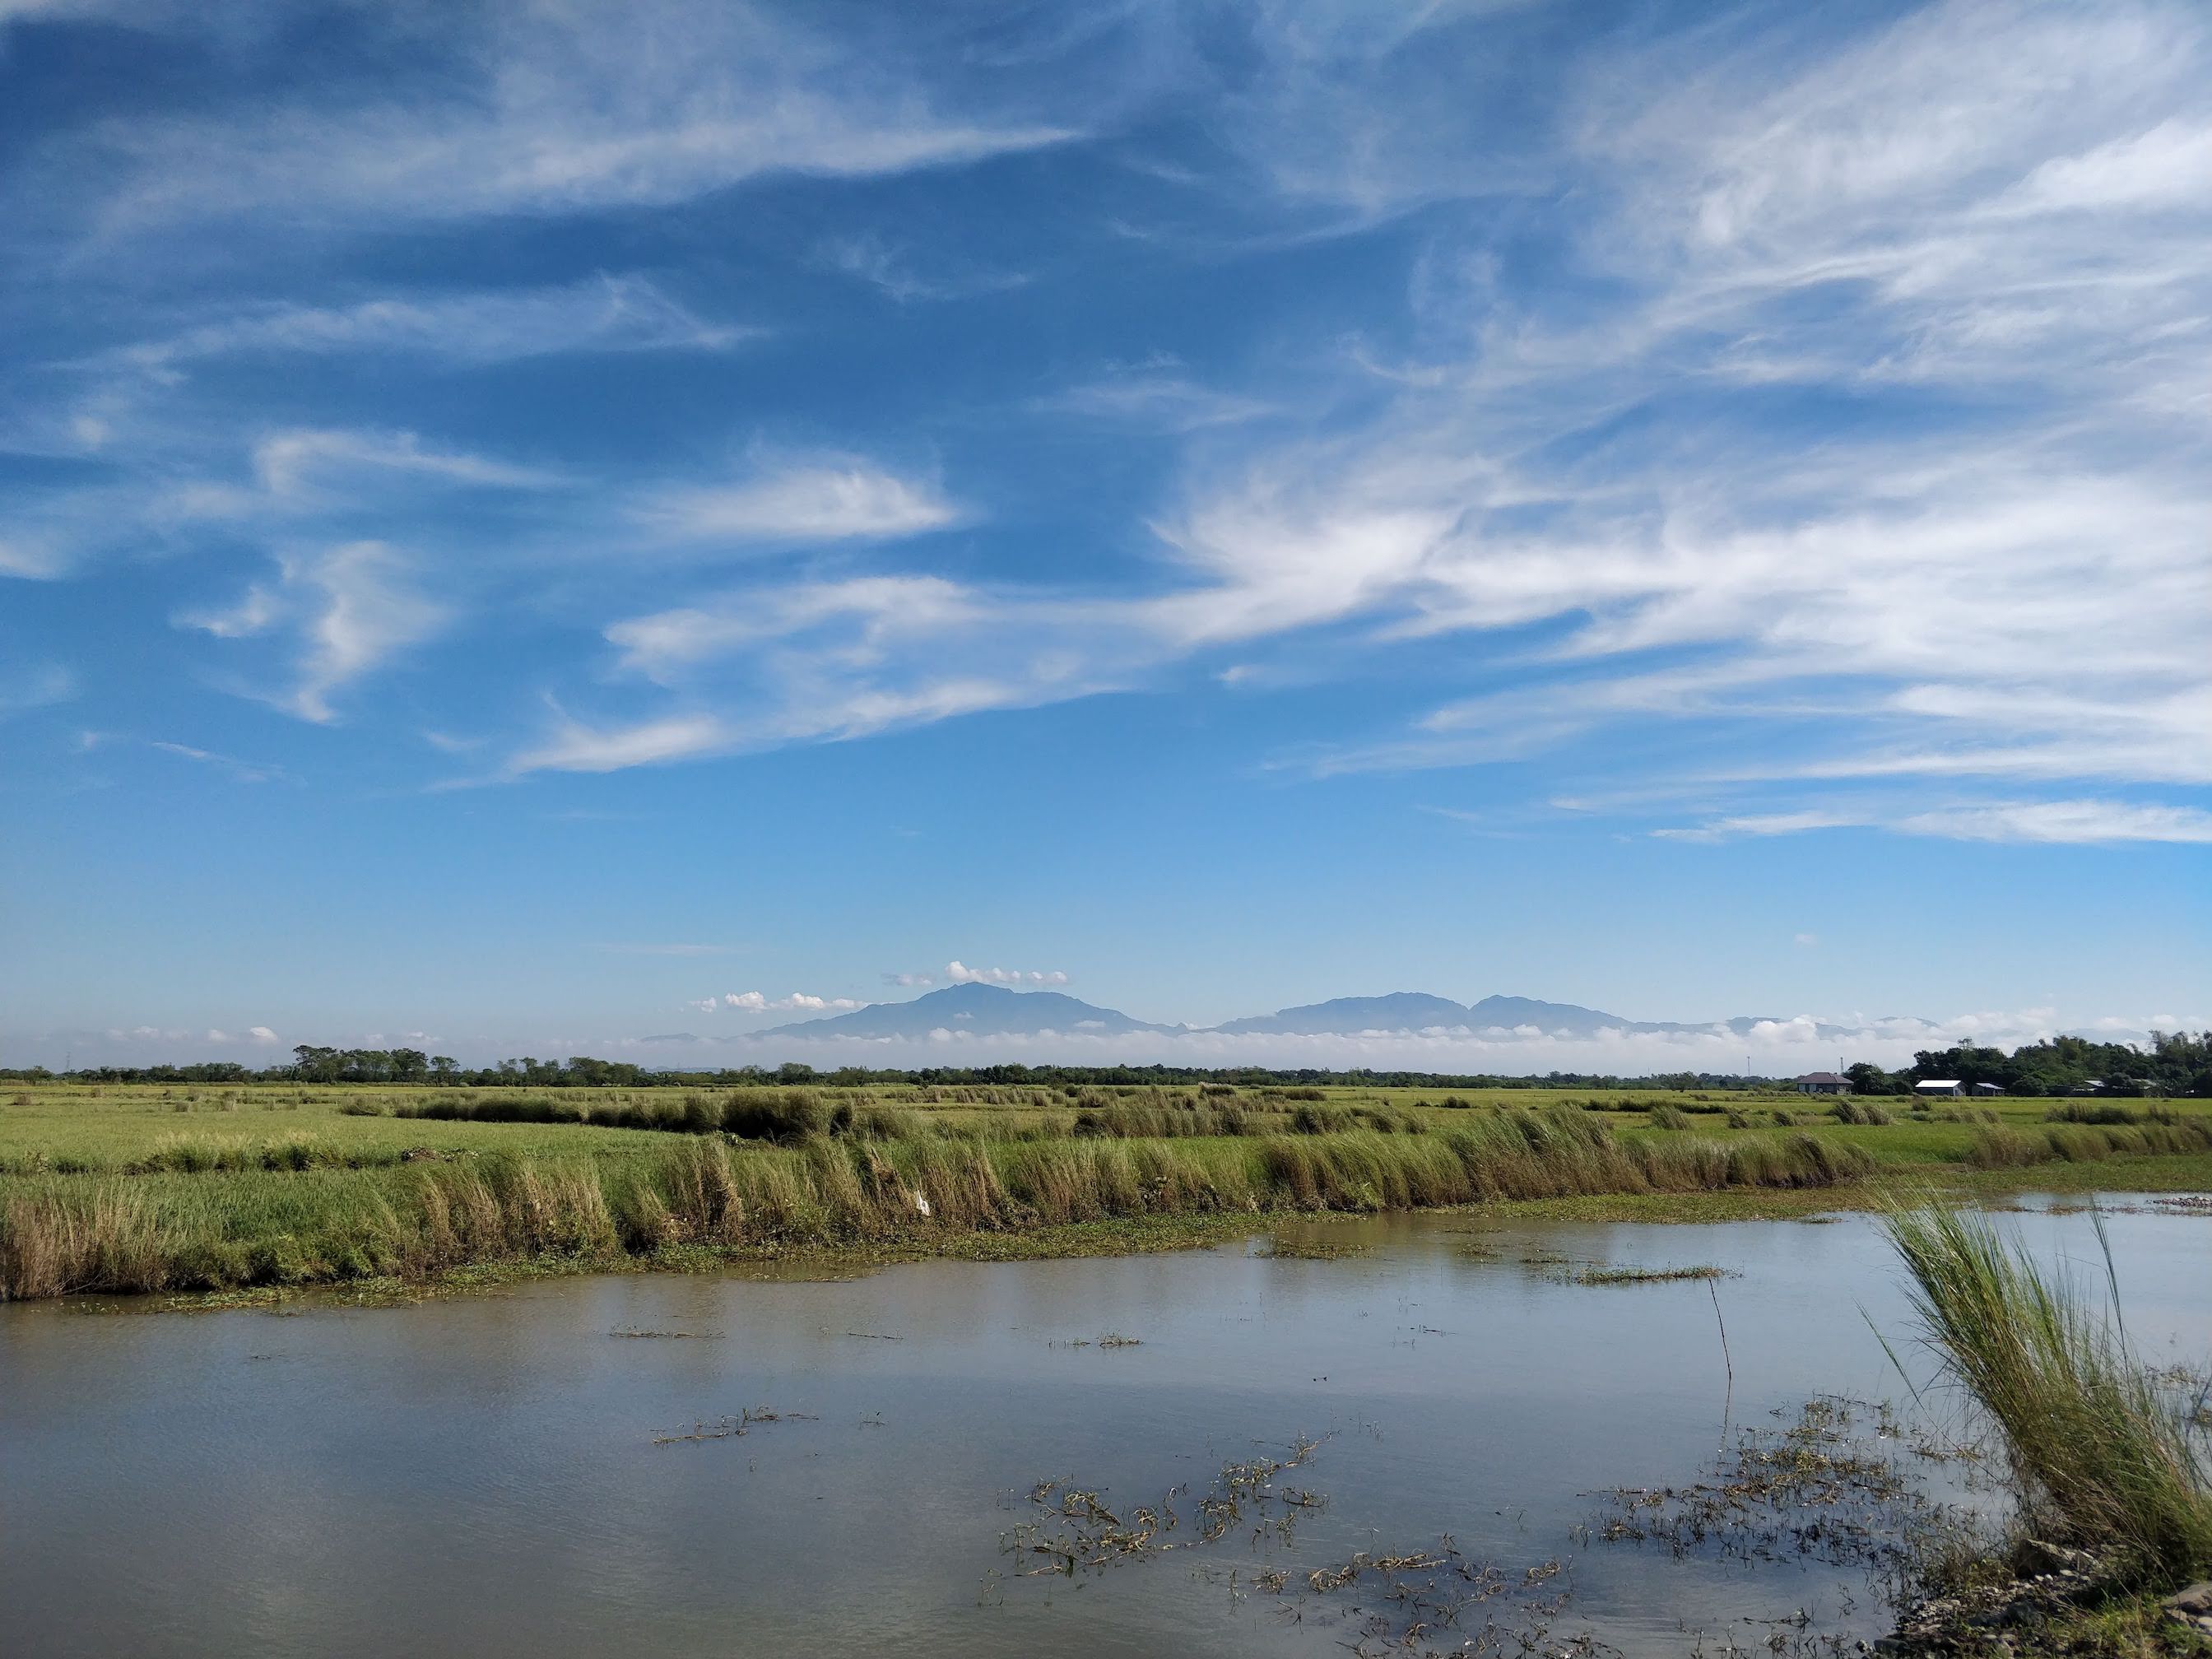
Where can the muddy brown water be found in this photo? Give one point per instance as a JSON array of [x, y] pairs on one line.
[[490, 1474]]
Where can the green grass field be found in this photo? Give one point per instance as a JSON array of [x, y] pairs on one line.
[[209, 1187], [72, 1128]]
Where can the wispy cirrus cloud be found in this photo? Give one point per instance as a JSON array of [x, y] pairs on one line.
[[574, 747], [238, 770], [803, 498], [2077, 823], [1156, 395], [308, 464], [603, 314], [554, 112], [348, 608], [35, 685], [905, 277], [1832, 394]]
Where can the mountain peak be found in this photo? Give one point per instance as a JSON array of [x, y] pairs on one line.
[[982, 1010]]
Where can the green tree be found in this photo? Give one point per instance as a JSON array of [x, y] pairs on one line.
[[1866, 1079]]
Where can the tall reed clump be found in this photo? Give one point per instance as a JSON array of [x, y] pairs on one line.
[[2098, 1459], [1851, 1110], [2001, 1147]]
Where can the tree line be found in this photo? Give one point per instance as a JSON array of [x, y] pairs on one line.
[[412, 1068], [2176, 1063]]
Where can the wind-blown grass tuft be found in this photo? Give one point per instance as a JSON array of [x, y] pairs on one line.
[[2099, 1460]]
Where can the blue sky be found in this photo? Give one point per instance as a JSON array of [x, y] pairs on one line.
[[536, 527]]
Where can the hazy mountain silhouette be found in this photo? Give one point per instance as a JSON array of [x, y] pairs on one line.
[[1400, 1011], [1418, 1010], [984, 1010], [993, 1011]]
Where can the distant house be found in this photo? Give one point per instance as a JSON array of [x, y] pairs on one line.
[[1989, 1088], [1823, 1082], [1940, 1086], [2092, 1087]]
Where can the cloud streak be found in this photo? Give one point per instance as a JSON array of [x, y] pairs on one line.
[[826, 498], [549, 111], [607, 314]]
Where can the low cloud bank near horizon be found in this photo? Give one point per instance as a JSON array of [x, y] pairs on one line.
[[1772, 1048], [1777, 1048]]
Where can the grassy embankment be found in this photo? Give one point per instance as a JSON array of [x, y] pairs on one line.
[[2103, 1456], [212, 1189]]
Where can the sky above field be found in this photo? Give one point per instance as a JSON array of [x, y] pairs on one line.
[[536, 527]]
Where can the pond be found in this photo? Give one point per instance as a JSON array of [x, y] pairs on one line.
[[567, 1466]]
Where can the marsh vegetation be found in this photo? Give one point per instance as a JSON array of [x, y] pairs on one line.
[[2105, 1458], [190, 1189]]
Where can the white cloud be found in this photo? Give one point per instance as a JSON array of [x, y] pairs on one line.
[[253, 613], [360, 609], [824, 661], [554, 111], [874, 611], [242, 771], [2076, 822], [2163, 168], [32, 556], [2002, 577], [900, 273], [260, 1034], [576, 748], [822, 498], [1157, 396], [351, 607], [35, 685], [2065, 821], [957, 972], [799, 1002], [1762, 824], [308, 464], [1783, 1047], [608, 313]]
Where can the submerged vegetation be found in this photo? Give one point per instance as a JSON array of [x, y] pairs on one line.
[[1648, 1275]]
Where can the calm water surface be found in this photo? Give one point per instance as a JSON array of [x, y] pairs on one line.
[[482, 1476]]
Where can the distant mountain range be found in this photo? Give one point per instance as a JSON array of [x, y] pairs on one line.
[[992, 1011], [983, 1010]]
